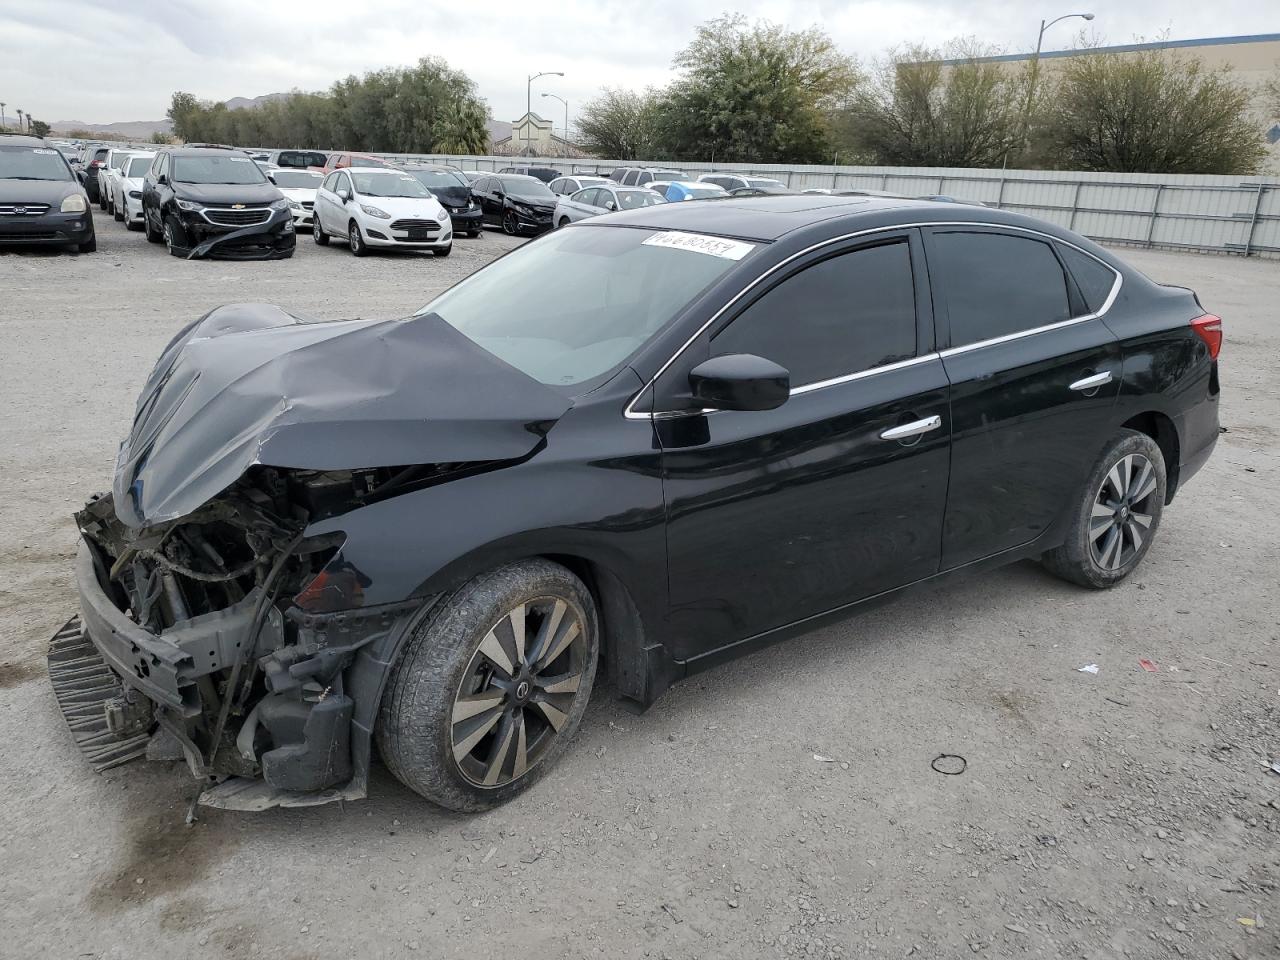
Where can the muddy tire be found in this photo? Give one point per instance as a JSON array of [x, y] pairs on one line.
[[1116, 514], [491, 686]]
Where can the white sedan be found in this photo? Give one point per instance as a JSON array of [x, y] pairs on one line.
[[299, 188], [602, 198], [129, 206], [377, 207]]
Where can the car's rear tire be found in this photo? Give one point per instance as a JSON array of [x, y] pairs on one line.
[[471, 716], [1116, 514], [355, 240], [318, 234]]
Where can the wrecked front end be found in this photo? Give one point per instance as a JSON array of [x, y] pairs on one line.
[[221, 638]]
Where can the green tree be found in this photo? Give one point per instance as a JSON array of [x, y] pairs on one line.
[[621, 124], [919, 110], [39, 128], [755, 92], [1153, 111], [185, 114]]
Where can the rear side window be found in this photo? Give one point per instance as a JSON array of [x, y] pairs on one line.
[[1094, 279], [994, 284], [849, 313]]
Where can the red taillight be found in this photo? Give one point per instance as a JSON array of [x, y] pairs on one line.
[[1209, 329]]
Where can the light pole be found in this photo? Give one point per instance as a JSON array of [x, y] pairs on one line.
[[1035, 67], [566, 115], [528, 100], [2, 123]]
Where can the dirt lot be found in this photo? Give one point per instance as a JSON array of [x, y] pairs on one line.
[[1123, 814]]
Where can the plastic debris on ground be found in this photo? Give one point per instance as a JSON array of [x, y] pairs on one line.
[[1088, 668], [1149, 666]]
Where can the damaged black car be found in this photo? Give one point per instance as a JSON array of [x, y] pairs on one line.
[[736, 422], [215, 202]]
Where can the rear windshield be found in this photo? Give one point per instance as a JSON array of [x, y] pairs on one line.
[[438, 179], [232, 168], [298, 179], [300, 158], [32, 163]]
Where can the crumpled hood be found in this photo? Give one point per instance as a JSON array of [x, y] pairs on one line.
[[251, 384]]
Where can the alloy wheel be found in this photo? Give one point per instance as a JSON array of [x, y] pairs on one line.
[[353, 238], [1120, 518], [168, 236], [510, 225], [518, 691]]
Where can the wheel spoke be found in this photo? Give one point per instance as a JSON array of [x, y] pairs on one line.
[[1115, 481], [1142, 487], [550, 624], [1110, 556], [494, 651], [515, 620], [498, 752], [555, 716], [564, 683], [1098, 527], [1102, 510], [466, 707], [568, 634], [521, 763], [1141, 518], [464, 746], [1135, 535]]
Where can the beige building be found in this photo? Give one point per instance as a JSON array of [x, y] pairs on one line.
[[532, 136], [1254, 59]]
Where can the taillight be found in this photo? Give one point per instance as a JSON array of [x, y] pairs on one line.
[[1209, 329]]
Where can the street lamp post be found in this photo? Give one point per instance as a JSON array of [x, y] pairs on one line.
[[1035, 66], [528, 100], [566, 114], [2, 123]]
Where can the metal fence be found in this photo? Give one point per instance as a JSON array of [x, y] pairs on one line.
[[1212, 214]]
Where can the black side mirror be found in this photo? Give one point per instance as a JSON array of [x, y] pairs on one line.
[[740, 381], [163, 180]]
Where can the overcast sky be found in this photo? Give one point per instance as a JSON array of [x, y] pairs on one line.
[[106, 60]]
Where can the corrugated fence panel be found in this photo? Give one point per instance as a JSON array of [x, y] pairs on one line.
[[1218, 214]]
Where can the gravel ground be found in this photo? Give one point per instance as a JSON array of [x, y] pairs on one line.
[[1123, 814]]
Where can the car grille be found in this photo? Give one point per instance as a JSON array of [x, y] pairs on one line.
[[308, 204], [237, 218], [23, 209], [18, 236], [414, 225]]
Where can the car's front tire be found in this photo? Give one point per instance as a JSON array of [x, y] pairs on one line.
[[510, 224], [355, 240], [153, 236], [175, 238], [89, 246], [318, 234], [491, 685], [564, 222], [443, 251], [1115, 516]]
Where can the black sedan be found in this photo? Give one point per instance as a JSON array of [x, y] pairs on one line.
[[41, 202], [518, 204], [453, 191], [736, 421]]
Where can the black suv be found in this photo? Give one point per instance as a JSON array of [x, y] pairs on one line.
[[40, 200], [215, 201], [453, 191], [545, 174], [92, 161]]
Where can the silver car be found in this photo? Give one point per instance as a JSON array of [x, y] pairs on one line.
[[603, 198], [567, 186]]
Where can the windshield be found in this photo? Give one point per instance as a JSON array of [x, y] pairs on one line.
[[765, 183], [298, 179], [438, 179], [526, 187], [701, 193], [631, 199], [389, 184], [32, 163], [233, 168], [138, 167], [614, 291]]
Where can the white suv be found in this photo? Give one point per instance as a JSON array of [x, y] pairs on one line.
[[378, 207], [128, 199]]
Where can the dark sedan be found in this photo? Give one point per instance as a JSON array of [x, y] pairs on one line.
[[518, 204], [454, 193], [734, 422], [41, 202]]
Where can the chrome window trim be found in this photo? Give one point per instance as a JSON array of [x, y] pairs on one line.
[[631, 414], [863, 374]]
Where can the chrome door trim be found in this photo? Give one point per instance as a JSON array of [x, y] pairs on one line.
[[631, 414], [862, 374]]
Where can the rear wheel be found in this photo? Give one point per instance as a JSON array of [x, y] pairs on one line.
[[1116, 515], [491, 686]]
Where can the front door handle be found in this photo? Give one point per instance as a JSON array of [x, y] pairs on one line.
[[1093, 382], [913, 429]]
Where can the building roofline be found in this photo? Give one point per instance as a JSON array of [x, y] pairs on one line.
[[1122, 48]]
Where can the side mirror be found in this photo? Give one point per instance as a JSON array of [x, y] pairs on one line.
[[740, 381], [271, 177], [163, 180], [344, 194], [499, 195]]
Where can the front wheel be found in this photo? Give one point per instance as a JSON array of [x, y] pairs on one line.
[[510, 224], [564, 222], [317, 232], [1116, 515], [89, 246], [153, 236], [175, 238], [491, 686], [443, 251], [355, 240]]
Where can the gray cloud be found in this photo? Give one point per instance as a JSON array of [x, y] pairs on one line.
[[99, 62]]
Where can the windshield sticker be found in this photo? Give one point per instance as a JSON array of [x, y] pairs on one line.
[[239, 159], [714, 246], [46, 151]]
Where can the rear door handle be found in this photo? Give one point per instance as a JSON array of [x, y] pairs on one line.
[[1093, 382], [913, 429]]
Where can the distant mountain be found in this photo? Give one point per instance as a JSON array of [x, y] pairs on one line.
[[141, 129]]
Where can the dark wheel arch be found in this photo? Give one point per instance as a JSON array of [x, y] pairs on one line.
[[1160, 428]]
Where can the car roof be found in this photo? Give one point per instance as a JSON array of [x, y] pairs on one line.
[[206, 152], [522, 176], [17, 140], [355, 169]]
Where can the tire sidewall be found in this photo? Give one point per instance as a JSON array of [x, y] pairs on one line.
[[414, 725]]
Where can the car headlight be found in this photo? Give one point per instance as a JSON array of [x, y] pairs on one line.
[[281, 204], [471, 204], [294, 204], [375, 212], [189, 205], [74, 204]]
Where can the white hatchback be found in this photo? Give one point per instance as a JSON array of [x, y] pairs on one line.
[[299, 188], [379, 207]]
